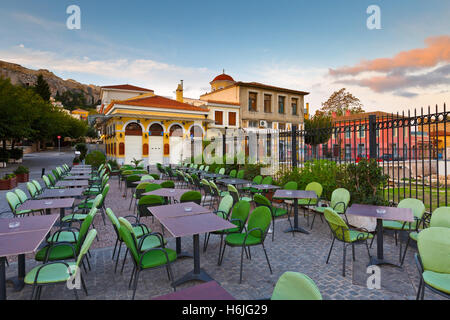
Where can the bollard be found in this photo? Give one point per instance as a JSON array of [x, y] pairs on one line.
[[43, 172]]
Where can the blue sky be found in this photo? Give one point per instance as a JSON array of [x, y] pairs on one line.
[[286, 43]]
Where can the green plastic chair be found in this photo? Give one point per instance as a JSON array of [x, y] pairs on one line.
[[38, 186], [221, 171], [206, 169], [295, 286], [129, 182], [147, 177], [276, 212], [207, 192], [258, 225], [235, 194], [311, 203], [59, 271], [140, 189], [191, 196], [89, 203], [240, 174], [146, 259], [139, 229], [32, 190], [342, 233], [233, 173], [21, 195], [80, 217], [340, 198], [256, 180], [267, 180], [439, 218], [66, 243], [14, 202], [149, 201], [48, 183], [433, 261], [168, 184], [223, 212]]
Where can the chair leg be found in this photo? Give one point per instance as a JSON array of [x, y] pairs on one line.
[[124, 260], [406, 249], [115, 247], [273, 228], [84, 285], [344, 256], [419, 289], [242, 262], [223, 252], [131, 201], [32, 291], [205, 243], [331, 248], [131, 278], [368, 251], [135, 283], [220, 249], [353, 251], [118, 256], [267, 258]]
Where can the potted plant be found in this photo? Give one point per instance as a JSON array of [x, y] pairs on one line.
[[16, 155], [8, 182], [4, 157], [22, 173], [76, 161], [136, 162]]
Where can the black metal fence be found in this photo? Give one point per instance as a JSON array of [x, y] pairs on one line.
[[411, 148]]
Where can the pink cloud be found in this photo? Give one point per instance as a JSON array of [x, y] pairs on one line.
[[437, 51]]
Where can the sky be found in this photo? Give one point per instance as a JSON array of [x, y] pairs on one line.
[[314, 46]]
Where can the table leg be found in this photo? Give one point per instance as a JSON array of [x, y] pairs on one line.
[[379, 259], [198, 273], [181, 254], [2, 278], [296, 227], [17, 282]]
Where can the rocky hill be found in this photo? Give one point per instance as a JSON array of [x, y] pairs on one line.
[[24, 76]]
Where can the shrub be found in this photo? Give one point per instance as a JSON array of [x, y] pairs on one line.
[[21, 170], [95, 158], [113, 164], [76, 160], [82, 148], [4, 155], [16, 153], [9, 176]]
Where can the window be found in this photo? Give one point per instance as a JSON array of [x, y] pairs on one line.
[[362, 131], [267, 103], [253, 124], [282, 126], [347, 133], [218, 117], [281, 104], [395, 132], [252, 101], [294, 106], [232, 118]]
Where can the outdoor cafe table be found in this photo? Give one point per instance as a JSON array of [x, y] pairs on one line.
[[193, 225], [214, 176], [76, 177], [168, 193], [234, 181], [265, 187], [205, 291], [20, 241], [136, 183], [381, 213], [295, 195], [61, 193], [72, 183], [174, 211], [47, 205]]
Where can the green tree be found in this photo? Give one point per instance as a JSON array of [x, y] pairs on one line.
[[42, 88], [341, 101], [318, 130]]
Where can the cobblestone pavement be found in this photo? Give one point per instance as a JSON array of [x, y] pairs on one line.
[[302, 253]]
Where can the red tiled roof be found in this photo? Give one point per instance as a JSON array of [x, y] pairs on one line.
[[158, 102], [224, 102], [223, 76], [127, 87]]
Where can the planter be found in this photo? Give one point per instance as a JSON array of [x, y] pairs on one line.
[[75, 164], [24, 177], [13, 183], [8, 184]]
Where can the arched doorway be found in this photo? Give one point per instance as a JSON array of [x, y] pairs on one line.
[[196, 134], [176, 144], [133, 142], [156, 144]]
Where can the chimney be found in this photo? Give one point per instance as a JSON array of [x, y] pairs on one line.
[[180, 92]]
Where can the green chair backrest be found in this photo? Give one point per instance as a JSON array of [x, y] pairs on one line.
[[340, 198], [56, 174], [337, 225], [214, 188], [416, 205], [201, 167], [52, 179], [132, 178], [206, 169], [261, 200], [151, 201], [98, 200], [13, 201], [22, 195], [295, 286], [241, 211], [217, 170], [32, 189], [440, 217], [168, 184], [85, 247], [84, 229], [152, 187], [142, 186], [37, 185], [291, 185], [147, 177], [434, 249], [225, 206], [234, 193], [114, 221], [222, 171], [240, 174], [155, 176], [259, 218], [257, 180], [233, 173], [316, 187], [127, 172], [191, 196], [47, 182], [103, 194], [267, 180], [128, 238]]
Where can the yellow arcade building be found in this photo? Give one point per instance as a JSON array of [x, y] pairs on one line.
[[147, 126]]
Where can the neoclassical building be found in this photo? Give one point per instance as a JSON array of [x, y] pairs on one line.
[[138, 124]]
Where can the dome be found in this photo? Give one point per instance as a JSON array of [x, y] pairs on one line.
[[223, 77]]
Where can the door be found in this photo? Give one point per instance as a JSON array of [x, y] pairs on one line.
[[155, 152], [176, 149], [133, 148]]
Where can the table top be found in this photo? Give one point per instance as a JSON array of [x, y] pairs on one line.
[[206, 291], [61, 193], [72, 183], [233, 181], [265, 186], [76, 177], [294, 194], [391, 213], [213, 175], [151, 181], [177, 210], [27, 237], [52, 203], [167, 192], [195, 224]]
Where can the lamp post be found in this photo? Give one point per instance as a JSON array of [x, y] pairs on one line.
[[59, 144]]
